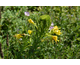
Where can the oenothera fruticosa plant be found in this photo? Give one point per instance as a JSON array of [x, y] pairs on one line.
[[40, 33], [40, 30], [52, 34]]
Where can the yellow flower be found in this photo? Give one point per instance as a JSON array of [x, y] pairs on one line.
[[29, 31], [42, 40], [31, 21], [55, 28], [18, 36], [55, 38], [57, 32]]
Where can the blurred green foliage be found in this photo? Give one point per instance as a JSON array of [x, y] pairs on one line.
[[13, 21]]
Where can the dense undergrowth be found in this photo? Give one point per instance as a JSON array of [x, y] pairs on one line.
[[25, 32]]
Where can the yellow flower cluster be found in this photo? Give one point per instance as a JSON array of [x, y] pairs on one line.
[[29, 31], [56, 30], [31, 21], [18, 36]]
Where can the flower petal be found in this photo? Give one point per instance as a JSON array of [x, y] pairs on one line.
[[26, 13]]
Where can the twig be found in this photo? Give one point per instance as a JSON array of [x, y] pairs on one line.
[[1, 53], [7, 42]]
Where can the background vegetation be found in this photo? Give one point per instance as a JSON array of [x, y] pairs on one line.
[[14, 21]]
